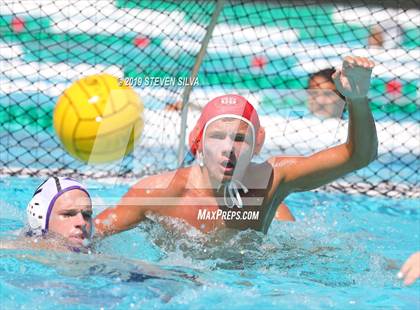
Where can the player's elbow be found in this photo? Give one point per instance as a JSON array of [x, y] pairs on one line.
[[372, 153], [373, 150], [363, 160], [363, 157]]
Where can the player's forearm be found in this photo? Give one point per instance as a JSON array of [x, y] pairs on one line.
[[120, 218], [362, 139]]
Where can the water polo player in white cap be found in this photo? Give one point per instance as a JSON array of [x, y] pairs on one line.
[[61, 207]]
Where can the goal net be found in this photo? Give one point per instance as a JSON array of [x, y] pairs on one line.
[[268, 51]]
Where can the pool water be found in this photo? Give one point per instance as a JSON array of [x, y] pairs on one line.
[[342, 252]]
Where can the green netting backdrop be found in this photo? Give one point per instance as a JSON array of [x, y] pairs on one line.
[[264, 50]]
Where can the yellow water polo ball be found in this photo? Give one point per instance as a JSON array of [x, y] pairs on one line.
[[98, 119]]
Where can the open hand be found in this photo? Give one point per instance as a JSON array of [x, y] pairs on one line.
[[410, 271], [353, 80]]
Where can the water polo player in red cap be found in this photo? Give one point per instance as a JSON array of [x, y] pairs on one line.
[[225, 188]]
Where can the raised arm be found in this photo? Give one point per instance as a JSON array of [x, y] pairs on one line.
[[305, 173]]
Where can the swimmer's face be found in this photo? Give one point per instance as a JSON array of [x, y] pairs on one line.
[[227, 148], [323, 100], [71, 217]]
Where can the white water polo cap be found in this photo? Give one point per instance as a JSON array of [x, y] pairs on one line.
[[40, 207]]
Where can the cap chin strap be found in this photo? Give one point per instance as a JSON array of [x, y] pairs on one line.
[[231, 190]]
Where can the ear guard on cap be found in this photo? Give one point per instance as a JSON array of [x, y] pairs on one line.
[[259, 140], [36, 212], [195, 139]]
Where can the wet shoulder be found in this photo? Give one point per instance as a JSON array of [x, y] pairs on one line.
[[168, 181]]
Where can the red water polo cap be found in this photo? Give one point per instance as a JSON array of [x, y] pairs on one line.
[[234, 106]]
